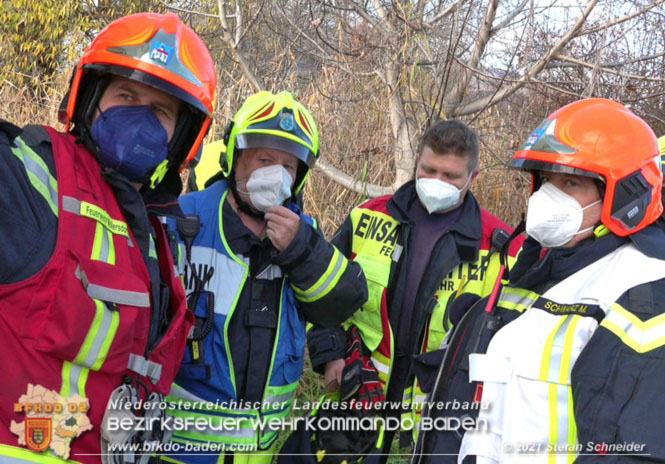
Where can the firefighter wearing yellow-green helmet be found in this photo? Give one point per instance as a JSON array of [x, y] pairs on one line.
[[265, 120], [273, 121], [661, 146]]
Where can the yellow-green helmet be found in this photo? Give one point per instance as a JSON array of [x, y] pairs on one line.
[[280, 122]]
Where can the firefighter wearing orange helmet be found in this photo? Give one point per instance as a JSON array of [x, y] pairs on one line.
[[573, 370], [93, 317]]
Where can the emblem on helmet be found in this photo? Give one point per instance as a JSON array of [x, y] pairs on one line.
[[286, 121], [161, 52]]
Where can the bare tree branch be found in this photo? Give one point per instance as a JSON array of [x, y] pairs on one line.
[[456, 96], [184, 10], [615, 64], [533, 71], [607, 70], [361, 12], [228, 38], [444, 13], [238, 34], [351, 183], [509, 18], [622, 19]]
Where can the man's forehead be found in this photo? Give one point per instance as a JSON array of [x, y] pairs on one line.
[[429, 156], [284, 155]]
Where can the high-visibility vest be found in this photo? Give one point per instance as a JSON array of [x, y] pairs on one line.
[[215, 395], [81, 324], [375, 247], [526, 371]]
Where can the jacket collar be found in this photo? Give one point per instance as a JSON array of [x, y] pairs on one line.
[[650, 240]]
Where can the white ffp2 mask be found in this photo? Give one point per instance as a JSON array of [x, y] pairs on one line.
[[437, 195], [269, 186], [553, 217]]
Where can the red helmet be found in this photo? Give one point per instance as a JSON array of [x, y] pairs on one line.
[[602, 139], [156, 50]]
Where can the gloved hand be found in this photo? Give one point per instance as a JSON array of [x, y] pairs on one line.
[[360, 379]]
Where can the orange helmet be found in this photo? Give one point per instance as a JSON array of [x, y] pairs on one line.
[[156, 50], [604, 140]]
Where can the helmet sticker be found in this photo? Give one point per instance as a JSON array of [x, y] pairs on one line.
[[161, 52], [286, 121], [533, 138], [544, 139]]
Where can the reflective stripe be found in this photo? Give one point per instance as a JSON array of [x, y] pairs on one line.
[[212, 413], [103, 248], [517, 299], [85, 209], [181, 393], [38, 173], [195, 403], [641, 336], [283, 398], [152, 250], [93, 351], [572, 427], [16, 455], [555, 370], [327, 281], [211, 428], [144, 367], [420, 401], [112, 295], [123, 297], [379, 366], [74, 378]]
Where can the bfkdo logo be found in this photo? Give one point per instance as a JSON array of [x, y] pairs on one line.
[[51, 422], [38, 433]]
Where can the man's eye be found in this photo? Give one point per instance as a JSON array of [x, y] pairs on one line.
[[161, 112]]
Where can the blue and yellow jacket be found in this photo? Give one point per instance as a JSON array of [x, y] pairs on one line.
[[259, 301]]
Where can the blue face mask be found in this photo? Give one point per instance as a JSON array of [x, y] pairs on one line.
[[131, 140]]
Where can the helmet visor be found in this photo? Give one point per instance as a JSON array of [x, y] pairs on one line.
[[535, 165], [150, 80], [300, 151]]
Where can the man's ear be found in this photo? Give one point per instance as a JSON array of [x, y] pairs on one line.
[[474, 174], [415, 165]]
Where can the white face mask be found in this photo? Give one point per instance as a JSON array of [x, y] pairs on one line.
[[437, 195], [553, 217], [269, 186]]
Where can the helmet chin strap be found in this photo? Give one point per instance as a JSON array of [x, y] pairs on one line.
[[243, 206]]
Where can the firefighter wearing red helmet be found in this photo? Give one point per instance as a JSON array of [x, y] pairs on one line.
[[573, 370], [93, 317]]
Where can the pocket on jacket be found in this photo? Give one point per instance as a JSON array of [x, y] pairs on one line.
[[293, 337], [90, 321]]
